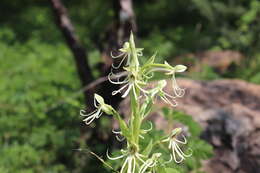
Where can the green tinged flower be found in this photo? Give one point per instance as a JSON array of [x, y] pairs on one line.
[[99, 103], [150, 163], [133, 81], [129, 54], [158, 92], [177, 154], [132, 158], [135, 78], [132, 78]]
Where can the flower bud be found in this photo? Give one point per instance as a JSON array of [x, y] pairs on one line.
[[104, 107], [175, 132], [180, 68]]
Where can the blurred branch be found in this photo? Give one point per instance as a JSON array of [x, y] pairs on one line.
[[80, 55]]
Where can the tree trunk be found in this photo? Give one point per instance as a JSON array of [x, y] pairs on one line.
[[84, 72], [80, 56]]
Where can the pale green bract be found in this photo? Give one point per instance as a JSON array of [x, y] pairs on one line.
[[134, 81]]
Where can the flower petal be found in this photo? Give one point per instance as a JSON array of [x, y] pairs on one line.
[[115, 158]]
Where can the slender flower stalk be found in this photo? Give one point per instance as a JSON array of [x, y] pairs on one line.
[[134, 81]]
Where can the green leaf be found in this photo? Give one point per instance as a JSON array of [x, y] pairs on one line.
[[151, 60], [123, 126], [161, 169], [167, 170], [171, 170], [149, 148], [205, 8], [146, 107]]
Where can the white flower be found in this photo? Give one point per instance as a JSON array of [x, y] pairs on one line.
[[125, 54], [131, 160], [120, 139], [150, 163], [179, 92], [177, 153], [132, 78], [168, 70], [101, 107], [132, 81], [158, 91]]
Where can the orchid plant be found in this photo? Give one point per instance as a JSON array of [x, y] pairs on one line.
[[134, 81]]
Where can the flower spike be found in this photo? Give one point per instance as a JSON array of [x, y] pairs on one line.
[[134, 77]]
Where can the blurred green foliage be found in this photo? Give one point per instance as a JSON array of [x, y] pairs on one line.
[[34, 138], [37, 69]]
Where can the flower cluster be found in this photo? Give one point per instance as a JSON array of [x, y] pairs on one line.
[[134, 81], [136, 78]]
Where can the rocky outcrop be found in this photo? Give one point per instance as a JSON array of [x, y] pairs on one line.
[[229, 112]]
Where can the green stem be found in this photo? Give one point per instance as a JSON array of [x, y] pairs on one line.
[[135, 107], [135, 116]]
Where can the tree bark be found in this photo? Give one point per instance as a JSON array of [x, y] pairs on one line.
[[80, 55], [84, 73]]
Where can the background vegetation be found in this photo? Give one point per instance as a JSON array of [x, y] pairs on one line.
[[37, 69]]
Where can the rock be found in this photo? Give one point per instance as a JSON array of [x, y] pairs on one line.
[[219, 60], [229, 112]]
